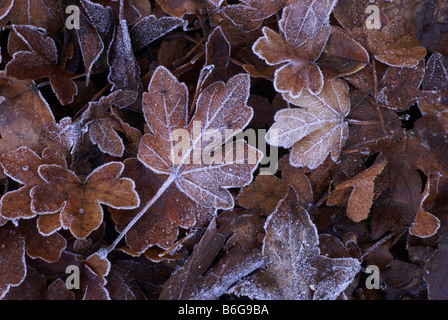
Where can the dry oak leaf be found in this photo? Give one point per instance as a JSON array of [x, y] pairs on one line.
[[358, 191], [199, 164], [317, 129], [79, 202], [296, 270], [22, 166], [40, 60], [299, 70]]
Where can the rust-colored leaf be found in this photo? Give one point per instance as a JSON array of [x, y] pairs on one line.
[[358, 191], [201, 167], [79, 201], [178, 8], [300, 66]]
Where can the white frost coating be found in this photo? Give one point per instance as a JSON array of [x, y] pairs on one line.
[[302, 20], [294, 263], [316, 129]]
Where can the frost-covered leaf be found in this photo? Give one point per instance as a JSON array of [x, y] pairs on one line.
[[58, 290], [101, 124], [45, 247], [358, 192], [315, 129], [90, 43], [300, 71], [200, 165], [303, 20], [39, 13], [239, 235], [22, 166], [101, 18], [159, 226], [151, 28], [436, 73], [342, 55], [435, 275], [295, 268], [31, 288], [79, 202], [401, 86], [124, 70], [40, 60], [263, 193], [5, 6], [245, 16]]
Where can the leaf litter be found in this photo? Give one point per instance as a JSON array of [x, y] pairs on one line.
[[132, 148]]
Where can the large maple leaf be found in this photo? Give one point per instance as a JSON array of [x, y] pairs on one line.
[[220, 107]]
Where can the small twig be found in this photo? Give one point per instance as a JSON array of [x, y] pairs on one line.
[[190, 53], [95, 98], [105, 251]]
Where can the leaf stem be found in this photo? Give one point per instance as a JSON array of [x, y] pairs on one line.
[[105, 251], [362, 122]]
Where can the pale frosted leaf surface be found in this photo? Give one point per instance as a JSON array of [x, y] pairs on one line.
[[316, 129], [151, 28], [101, 18], [295, 268], [102, 133], [124, 70], [303, 19], [90, 43], [300, 71], [207, 274], [202, 167], [159, 225], [436, 74]]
